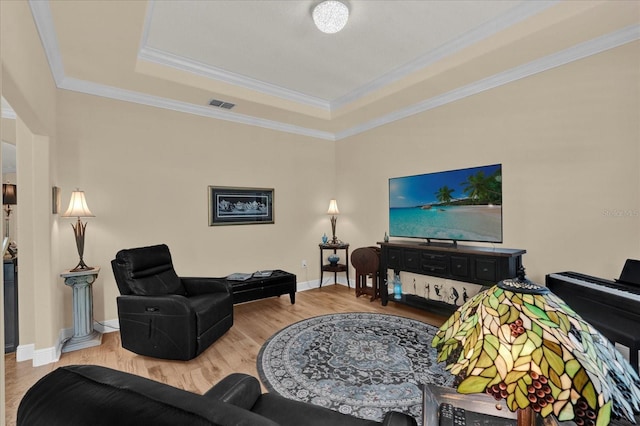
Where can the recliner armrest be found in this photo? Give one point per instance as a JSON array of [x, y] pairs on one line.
[[198, 285], [241, 390], [394, 418]]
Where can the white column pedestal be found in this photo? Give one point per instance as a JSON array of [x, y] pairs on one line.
[[84, 336]]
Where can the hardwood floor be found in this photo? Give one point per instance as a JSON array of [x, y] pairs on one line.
[[236, 351]]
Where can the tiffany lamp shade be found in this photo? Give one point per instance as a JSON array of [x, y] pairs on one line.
[[519, 342]]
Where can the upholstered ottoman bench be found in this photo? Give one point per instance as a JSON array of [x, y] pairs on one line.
[[258, 287]]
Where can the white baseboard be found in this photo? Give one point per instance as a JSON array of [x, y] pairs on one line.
[[25, 352], [52, 354], [108, 326], [38, 357], [46, 356], [309, 285]]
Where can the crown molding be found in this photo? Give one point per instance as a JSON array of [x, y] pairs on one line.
[[574, 53], [506, 20], [44, 22], [10, 115], [7, 111], [91, 88], [181, 63]]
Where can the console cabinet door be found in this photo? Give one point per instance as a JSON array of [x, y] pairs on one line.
[[486, 270], [460, 267], [394, 257], [412, 260], [435, 263]]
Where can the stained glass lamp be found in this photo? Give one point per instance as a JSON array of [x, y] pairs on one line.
[[519, 342]]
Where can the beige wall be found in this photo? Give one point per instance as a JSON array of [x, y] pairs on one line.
[[145, 173], [39, 290], [568, 140], [28, 87]]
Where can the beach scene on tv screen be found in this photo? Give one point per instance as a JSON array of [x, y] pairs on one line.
[[459, 205]]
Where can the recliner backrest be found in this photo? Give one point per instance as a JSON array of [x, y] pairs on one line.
[[146, 271]]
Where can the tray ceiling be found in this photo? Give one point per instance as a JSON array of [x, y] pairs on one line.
[[393, 59]]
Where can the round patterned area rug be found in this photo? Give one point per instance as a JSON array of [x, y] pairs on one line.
[[362, 364]]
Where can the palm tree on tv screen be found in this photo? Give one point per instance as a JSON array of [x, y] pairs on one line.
[[483, 189], [444, 194]]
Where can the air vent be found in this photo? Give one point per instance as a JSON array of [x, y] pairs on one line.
[[221, 104]]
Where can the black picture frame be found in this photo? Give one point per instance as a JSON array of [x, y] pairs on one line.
[[230, 205]]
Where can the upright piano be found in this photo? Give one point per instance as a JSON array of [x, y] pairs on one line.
[[611, 306]]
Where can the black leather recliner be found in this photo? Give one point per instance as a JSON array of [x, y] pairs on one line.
[[81, 395], [162, 315]]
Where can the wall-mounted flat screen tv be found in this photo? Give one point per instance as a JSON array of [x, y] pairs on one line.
[[457, 205]]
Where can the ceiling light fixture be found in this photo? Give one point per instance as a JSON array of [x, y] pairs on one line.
[[330, 16]]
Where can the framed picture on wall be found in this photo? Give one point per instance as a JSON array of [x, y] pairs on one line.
[[240, 206]]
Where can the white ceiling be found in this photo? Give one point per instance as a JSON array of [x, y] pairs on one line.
[[394, 58], [275, 42]]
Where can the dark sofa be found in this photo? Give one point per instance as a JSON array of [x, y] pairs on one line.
[[82, 395]]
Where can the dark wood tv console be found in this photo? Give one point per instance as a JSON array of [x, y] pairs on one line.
[[477, 265]]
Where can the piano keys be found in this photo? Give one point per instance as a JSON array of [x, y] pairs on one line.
[[616, 289], [612, 307]]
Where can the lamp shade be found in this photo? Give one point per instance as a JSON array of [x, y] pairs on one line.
[[333, 207], [519, 342], [9, 194], [78, 206], [330, 16]]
